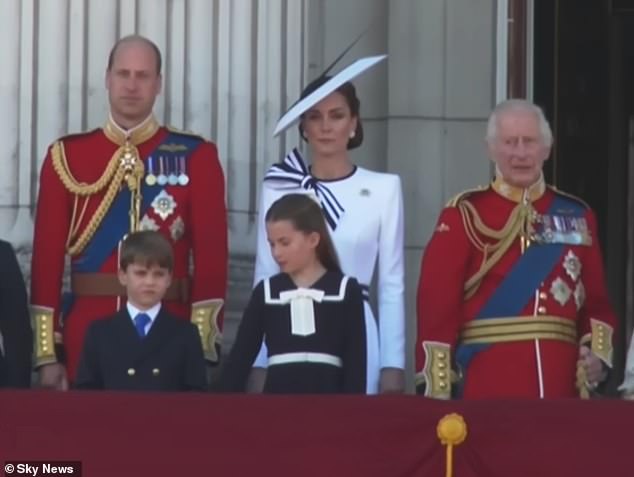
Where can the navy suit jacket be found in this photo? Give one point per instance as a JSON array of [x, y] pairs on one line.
[[15, 324], [169, 358]]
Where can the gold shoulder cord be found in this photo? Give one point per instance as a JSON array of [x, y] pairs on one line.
[[116, 172], [518, 225]]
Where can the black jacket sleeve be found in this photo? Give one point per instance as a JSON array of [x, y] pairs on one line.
[[195, 378], [354, 356], [246, 346], [15, 324], [89, 374]]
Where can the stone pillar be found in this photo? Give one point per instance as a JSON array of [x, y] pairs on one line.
[[9, 124], [333, 25], [230, 68], [442, 84]]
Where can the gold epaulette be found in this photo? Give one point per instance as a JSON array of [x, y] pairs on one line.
[[455, 200], [570, 196], [174, 130]]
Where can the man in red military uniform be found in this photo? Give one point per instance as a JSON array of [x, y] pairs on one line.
[[96, 187], [512, 299]]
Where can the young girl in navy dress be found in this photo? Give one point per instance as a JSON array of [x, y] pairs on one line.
[[310, 315]]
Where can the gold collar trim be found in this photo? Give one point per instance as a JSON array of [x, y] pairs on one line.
[[136, 135], [518, 194]]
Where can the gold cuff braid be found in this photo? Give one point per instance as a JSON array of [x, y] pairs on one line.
[[43, 335], [205, 317], [601, 342], [437, 370]]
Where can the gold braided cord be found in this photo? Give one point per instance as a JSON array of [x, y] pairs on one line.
[[124, 165], [516, 226], [60, 164], [76, 222], [89, 231]]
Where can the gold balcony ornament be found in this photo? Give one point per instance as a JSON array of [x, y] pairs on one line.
[[451, 431]]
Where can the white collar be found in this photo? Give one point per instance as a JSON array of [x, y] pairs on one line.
[[152, 312]]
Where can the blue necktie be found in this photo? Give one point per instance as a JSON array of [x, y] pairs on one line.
[[140, 321]]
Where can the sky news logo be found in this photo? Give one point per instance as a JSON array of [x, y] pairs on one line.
[[42, 468]]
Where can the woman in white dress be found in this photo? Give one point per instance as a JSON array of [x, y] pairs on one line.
[[365, 215]]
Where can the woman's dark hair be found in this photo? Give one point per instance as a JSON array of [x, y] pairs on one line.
[[306, 216], [348, 91]]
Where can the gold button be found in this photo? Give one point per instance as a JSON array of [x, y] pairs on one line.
[[442, 365], [442, 374], [543, 296], [43, 326], [156, 371], [442, 385], [200, 312], [44, 342], [43, 317], [441, 355], [43, 334], [541, 310], [131, 372], [199, 319], [44, 348]]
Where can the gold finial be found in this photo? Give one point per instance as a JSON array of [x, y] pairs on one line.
[[451, 431]]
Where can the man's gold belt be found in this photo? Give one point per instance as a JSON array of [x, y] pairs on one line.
[[519, 328]]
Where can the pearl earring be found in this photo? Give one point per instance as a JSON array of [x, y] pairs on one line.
[[352, 134]]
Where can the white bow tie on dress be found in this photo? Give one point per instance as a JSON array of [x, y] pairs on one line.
[[302, 309]]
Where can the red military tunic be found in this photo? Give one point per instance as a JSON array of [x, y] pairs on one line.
[[571, 304], [192, 216]]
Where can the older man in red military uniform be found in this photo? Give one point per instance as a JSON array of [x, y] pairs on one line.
[[96, 187], [512, 299]]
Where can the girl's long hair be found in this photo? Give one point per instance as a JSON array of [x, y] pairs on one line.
[[306, 216]]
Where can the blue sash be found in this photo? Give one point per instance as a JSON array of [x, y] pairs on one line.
[[519, 285], [116, 222]]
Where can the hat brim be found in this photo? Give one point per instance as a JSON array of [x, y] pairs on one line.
[[345, 75]]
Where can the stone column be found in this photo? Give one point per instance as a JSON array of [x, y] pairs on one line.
[[442, 84]]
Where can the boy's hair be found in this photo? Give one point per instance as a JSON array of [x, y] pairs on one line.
[[306, 216], [146, 248]]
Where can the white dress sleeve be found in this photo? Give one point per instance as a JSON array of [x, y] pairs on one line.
[[391, 288], [265, 265], [627, 387]]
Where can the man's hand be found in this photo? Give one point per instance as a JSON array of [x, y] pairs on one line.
[[392, 381], [595, 372], [53, 376]]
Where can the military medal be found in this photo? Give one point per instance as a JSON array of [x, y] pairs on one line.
[[162, 178], [164, 205], [172, 178], [183, 179], [560, 291], [150, 178], [572, 264], [562, 229]]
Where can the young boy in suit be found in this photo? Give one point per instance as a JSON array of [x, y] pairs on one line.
[[143, 347]]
